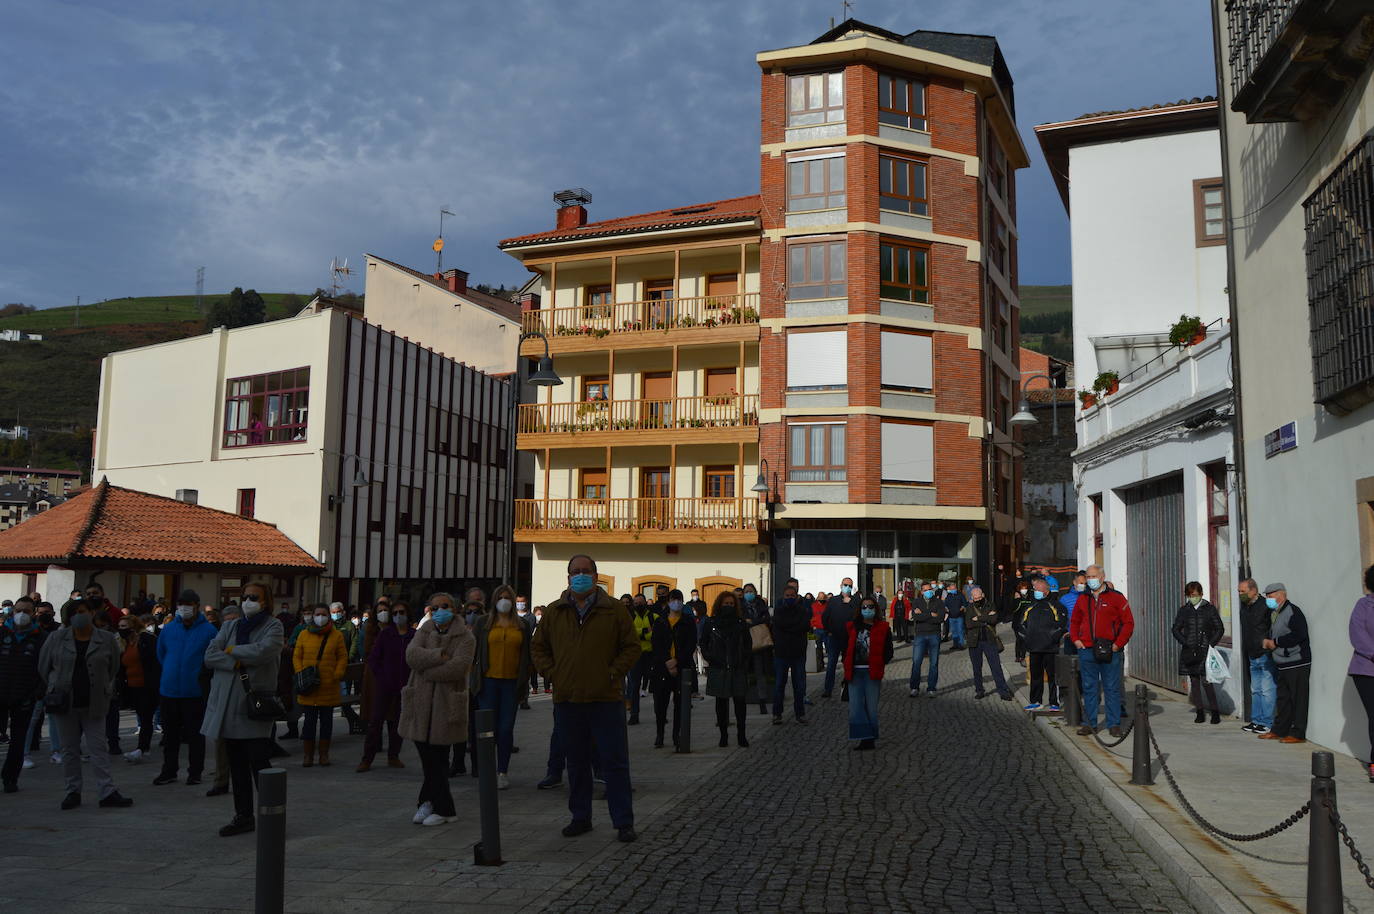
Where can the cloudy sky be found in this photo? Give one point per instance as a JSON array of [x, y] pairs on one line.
[[144, 138]]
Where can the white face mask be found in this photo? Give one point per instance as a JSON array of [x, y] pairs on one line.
[[384, 617], [22, 620], [503, 606], [186, 612], [250, 607], [520, 607], [320, 621], [400, 619]]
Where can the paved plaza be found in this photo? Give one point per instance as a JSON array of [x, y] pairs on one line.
[[964, 807]]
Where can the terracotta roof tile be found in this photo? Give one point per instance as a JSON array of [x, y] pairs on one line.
[[731, 210], [110, 523]]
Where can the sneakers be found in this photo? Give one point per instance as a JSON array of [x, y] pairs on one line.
[[502, 782], [576, 827], [28, 762], [550, 782], [1033, 706], [1054, 708], [162, 779], [1259, 728], [424, 812], [116, 801], [914, 693], [56, 758], [133, 756], [1249, 728], [436, 819]]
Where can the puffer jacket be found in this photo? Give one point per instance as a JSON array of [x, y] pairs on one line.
[[332, 664], [1041, 625], [434, 704], [1196, 628]]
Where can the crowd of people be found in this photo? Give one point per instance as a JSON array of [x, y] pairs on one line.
[[220, 682]]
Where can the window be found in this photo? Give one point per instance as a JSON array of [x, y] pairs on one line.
[[442, 425], [1219, 541], [660, 293], [815, 98], [903, 272], [409, 509], [247, 501], [720, 482], [908, 452], [906, 361], [1096, 502], [1209, 212], [815, 452], [815, 183], [902, 185], [457, 523], [266, 408], [901, 102], [376, 504], [596, 301], [596, 387], [496, 519], [592, 484], [997, 240], [722, 290], [1001, 316], [997, 167], [816, 270], [720, 382], [1001, 402], [817, 360]]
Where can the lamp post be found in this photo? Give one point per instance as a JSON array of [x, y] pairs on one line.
[[542, 376], [1023, 415], [761, 487]]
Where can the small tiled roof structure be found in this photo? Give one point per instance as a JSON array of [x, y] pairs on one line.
[[735, 209], [110, 526]]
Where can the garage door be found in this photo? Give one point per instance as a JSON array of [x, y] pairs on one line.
[[1154, 545]]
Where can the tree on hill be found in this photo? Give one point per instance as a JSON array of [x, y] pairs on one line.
[[14, 309], [240, 309]]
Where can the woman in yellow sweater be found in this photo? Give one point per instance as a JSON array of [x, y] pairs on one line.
[[501, 671], [322, 647]]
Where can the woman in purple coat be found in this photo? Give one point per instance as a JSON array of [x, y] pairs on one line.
[[1362, 661], [386, 659]]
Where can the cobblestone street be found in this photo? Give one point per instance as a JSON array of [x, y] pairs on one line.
[[963, 807]]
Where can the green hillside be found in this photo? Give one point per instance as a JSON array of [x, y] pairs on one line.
[[1047, 320], [157, 309], [1037, 300]]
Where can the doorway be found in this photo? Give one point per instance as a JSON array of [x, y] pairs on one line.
[[654, 504], [656, 394]]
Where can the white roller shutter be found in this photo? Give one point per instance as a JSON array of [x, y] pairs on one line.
[[907, 361], [908, 452], [817, 359]]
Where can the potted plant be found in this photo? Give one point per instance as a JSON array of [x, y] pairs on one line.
[[1106, 383], [1088, 399], [1187, 331]]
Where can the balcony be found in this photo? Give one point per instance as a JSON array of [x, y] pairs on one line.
[[1291, 60], [653, 323], [677, 420], [647, 520]]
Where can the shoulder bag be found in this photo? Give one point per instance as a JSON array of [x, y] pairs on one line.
[[308, 679], [1102, 647], [760, 637], [261, 705]]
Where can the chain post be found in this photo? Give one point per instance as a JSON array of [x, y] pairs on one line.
[[1142, 773], [1323, 843]]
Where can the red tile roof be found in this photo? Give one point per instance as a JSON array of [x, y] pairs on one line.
[[502, 306], [110, 524], [731, 210]]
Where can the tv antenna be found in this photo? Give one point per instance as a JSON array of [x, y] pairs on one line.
[[336, 271], [846, 7], [439, 242]]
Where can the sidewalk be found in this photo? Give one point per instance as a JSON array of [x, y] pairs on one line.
[[1238, 783]]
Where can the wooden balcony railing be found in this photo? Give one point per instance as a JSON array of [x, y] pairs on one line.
[[635, 316], [722, 411], [609, 515]]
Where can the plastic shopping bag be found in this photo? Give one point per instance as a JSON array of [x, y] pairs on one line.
[[1217, 670]]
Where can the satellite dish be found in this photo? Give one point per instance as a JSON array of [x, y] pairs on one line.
[[438, 245]]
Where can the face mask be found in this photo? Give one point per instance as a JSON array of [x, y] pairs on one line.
[[384, 617], [519, 607], [1244, 597], [503, 606], [869, 612], [1079, 588], [22, 620], [1039, 595], [749, 597], [337, 617], [1094, 583], [250, 607], [443, 616], [674, 606], [927, 594], [82, 621], [1271, 602], [846, 589], [401, 618], [1195, 600], [727, 609], [186, 612], [320, 621], [582, 583]]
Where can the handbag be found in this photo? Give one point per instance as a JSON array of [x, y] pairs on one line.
[[308, 680], [57, 701], [997, 642], [261, 705], [760, 637]]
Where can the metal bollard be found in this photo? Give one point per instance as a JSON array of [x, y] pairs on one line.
[[684, 735], [1142, 773], [1066, 674], [1323, 843], [487, 852], [270, 889]]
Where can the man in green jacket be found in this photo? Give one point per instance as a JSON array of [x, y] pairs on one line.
[[586, 644]]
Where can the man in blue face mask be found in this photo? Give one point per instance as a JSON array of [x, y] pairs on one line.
[[1041, 625], [1291, 648], [928, 615], [586, 644]]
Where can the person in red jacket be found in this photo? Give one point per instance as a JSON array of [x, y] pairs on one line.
[[901, 613], [95, 596], [1101, 625], [868, 653]]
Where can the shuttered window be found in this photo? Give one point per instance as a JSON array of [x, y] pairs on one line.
[[817, 360], [908, 452], [907, 361]]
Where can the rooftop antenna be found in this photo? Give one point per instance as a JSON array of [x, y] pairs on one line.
[[337, 270], [439, 242], [200, 290]]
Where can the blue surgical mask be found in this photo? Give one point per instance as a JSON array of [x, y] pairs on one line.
[[846, 589], [869, 612], [1271, 602], [674, 606], [1094, 583], [927, 594], [582, 583], [337, 617], [442, 616], [749, 597], [1039, 595]]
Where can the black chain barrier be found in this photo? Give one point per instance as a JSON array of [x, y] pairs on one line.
[[1125, 735], [1287, 823], [1350, 844]]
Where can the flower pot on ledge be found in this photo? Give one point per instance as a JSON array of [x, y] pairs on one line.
[[1088, 400], [1198, 337]]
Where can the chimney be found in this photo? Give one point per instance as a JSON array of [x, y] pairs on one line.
[[190, 496], [529, 301], [457, 280], [572, 207]]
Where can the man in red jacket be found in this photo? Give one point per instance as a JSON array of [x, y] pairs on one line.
[[95, 596], [1103, 618]]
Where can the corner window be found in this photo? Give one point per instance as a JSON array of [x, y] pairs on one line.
[[267, 408], [816, 183], [815, 98], [901, 102], [815, 452], [902, 185], [904, 272], [816, 270], [1209, 212]]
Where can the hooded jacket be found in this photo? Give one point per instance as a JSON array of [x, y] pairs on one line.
[[181, 651]]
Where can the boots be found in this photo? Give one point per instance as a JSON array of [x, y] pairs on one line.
[[1199, 716], [658, 738], [364, 765], [324, 753], [1216, 717], [739, 731], [308, 747], [724, 737]]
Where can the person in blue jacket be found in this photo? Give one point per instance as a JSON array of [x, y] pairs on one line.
[[1068, 599], [181, 650]]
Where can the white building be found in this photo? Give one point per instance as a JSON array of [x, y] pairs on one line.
[[18, 336], [1298, 94], [1152, 467]]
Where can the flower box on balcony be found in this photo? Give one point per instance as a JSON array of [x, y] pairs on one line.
[[1106, 383], [1088, 399]]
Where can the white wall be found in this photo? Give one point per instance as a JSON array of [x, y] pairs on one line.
[[626, 561]]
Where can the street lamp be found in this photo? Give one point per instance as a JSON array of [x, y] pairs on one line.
[[1023, 415], [761, 487], [542, 376]]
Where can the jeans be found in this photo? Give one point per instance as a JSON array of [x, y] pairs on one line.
[[434, 788], [863, 705], [596, 725], [499, 695], [956, 631], [181, 720], [246, 758], [986, 650], [143, 699], [17, 717], [1262, 690], [832, 656], [36, 726], [781, 668], [1100, 681], [921, 647], [635, 681], [73, 725], [323, 717]]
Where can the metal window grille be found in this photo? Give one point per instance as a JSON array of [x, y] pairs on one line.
[[1252, 27]]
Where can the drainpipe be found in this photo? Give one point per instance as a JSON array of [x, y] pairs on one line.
[[1237, 413]]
